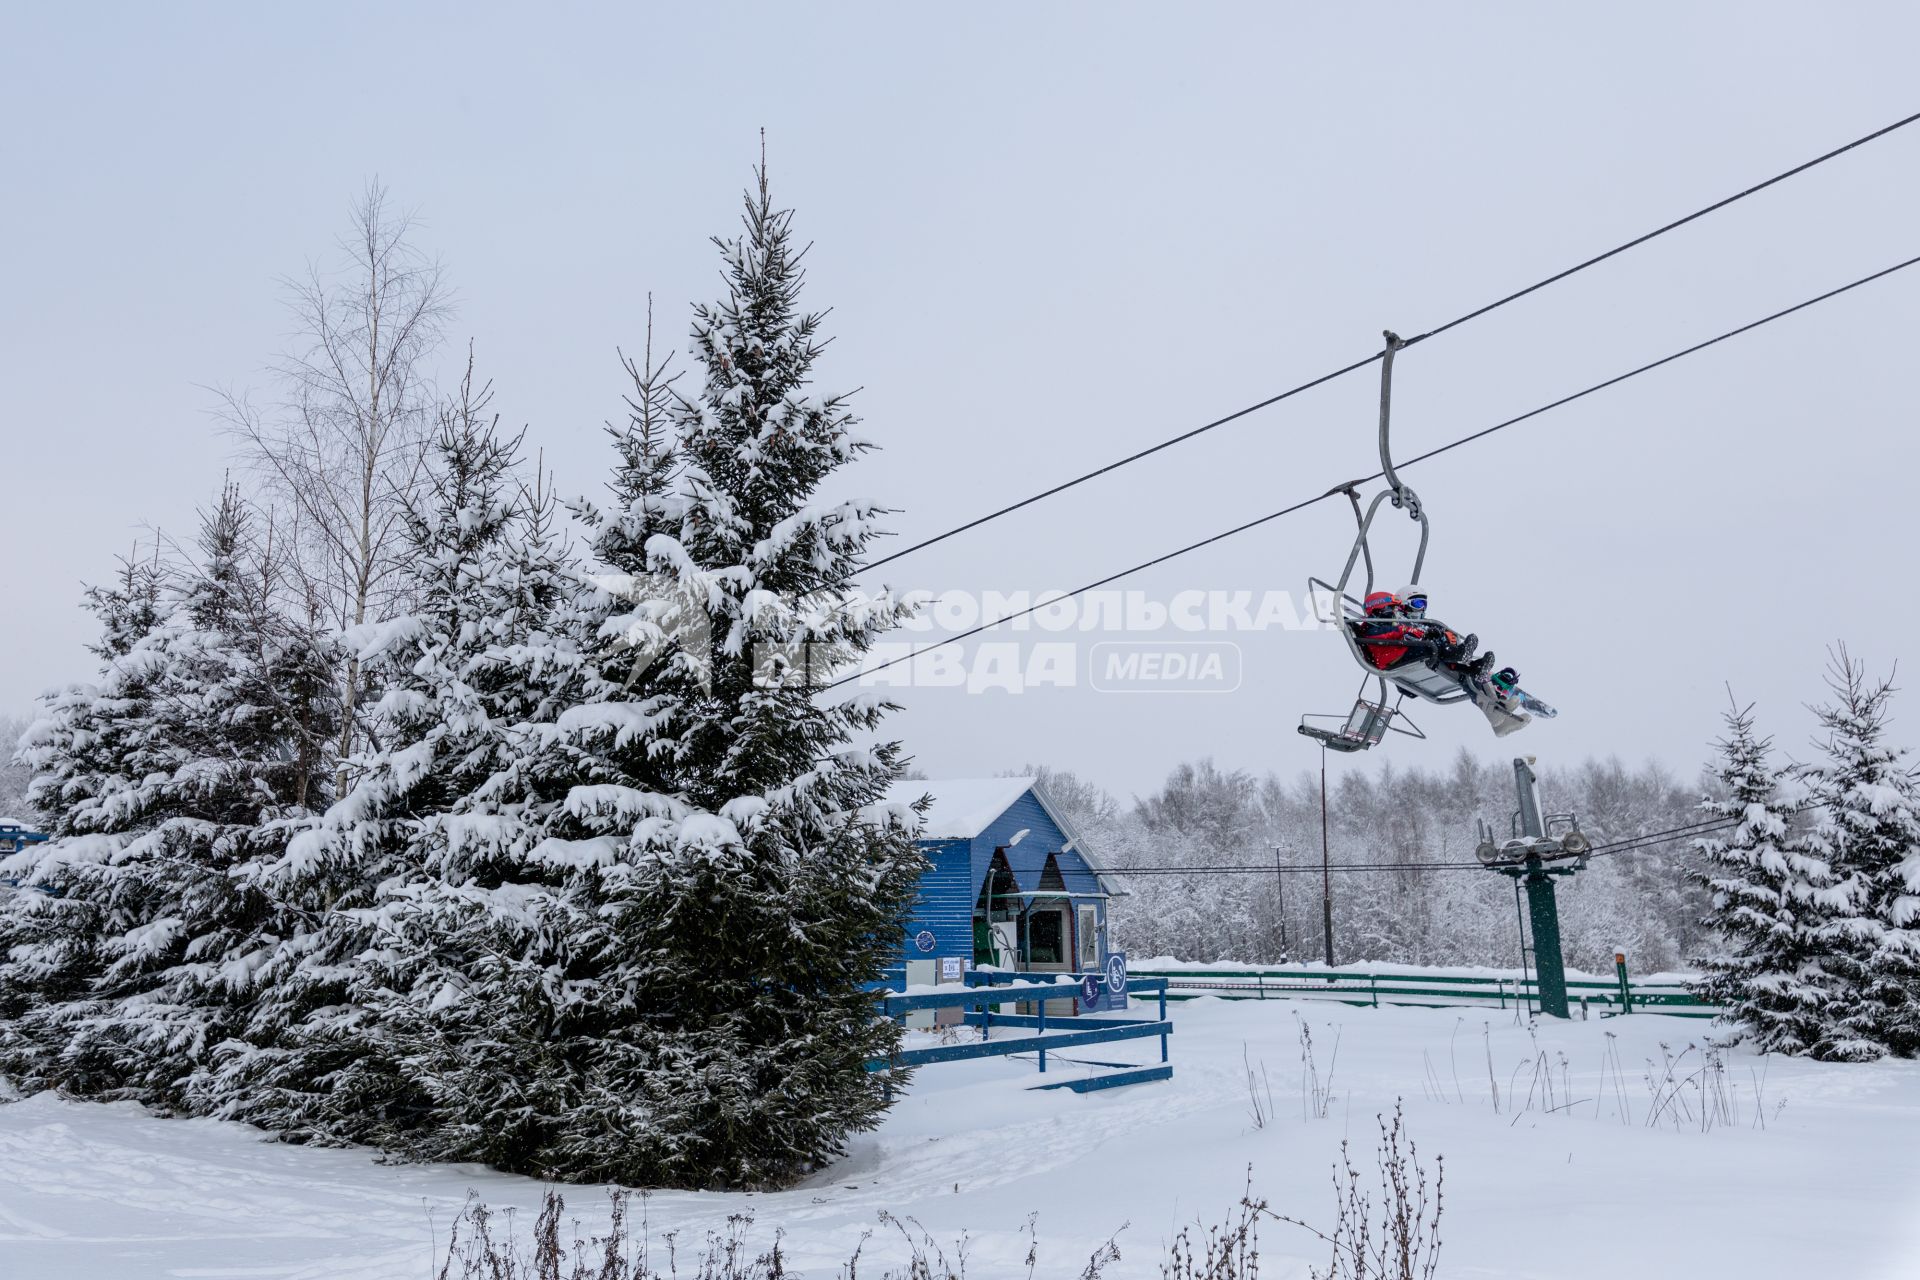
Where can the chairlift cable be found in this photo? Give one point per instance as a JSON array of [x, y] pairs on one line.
[[1631, 844], [1626, 844], [1300, 870], [1431, 453], [1115, 465], [1363, 363], [1652, 365], [1671, 226], [1641, 843]]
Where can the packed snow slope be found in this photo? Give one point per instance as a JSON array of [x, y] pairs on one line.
[[1829, 1186]]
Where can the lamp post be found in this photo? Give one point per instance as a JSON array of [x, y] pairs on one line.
[[1280, 890], [1326, 864]]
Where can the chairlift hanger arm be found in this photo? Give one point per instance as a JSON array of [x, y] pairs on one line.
[[1360, 523], [1360, 546], [1402, 495], [1397, 490]]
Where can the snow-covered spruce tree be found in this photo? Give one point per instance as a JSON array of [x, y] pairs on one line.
[[1766, 912], [1869, 831], [234, 699], [453, 1001], [80, 753], [502, 1026], [740, 875], [481, 928], [397, 877], [522, 967], [247, 708]]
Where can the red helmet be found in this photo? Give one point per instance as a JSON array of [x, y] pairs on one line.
[[1380, 604]]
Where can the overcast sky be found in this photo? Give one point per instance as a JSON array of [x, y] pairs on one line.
[[1051, 235]]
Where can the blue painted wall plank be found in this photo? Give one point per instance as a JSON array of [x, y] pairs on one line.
[[945, 907]]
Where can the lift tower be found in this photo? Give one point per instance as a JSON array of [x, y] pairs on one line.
[[1538, 848]]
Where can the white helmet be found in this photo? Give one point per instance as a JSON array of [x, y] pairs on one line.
[[1413, 600]]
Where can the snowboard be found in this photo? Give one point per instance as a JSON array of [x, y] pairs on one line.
[[1527, 702], [1514, 701], [1517, 700]]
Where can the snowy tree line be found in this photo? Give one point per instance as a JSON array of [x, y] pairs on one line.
[[1644, 903], [395, 813]]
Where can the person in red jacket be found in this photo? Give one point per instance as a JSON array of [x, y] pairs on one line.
[[1390, 639], [1383, 634]]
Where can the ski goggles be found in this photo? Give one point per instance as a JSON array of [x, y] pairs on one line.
[[1417, 602]]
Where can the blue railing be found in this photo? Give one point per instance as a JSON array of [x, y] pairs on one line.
[[986, 993]]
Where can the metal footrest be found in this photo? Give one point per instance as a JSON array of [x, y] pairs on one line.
[[1337, 739]]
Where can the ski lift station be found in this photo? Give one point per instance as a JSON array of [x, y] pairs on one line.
[[1011, 885], [1011, 927]]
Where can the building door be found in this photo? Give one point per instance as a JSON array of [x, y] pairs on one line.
[[1047, 940], [1089, 938], [1050, 949]]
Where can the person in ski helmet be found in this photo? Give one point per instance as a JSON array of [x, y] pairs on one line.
[[1452, 650]]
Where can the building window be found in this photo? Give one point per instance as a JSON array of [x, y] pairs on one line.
[[1089, 937]]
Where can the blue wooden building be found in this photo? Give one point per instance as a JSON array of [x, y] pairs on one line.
[[1011, 884]]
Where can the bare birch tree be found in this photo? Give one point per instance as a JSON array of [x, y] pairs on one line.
[[344, 448]]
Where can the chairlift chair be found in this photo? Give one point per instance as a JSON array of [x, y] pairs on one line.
[[1370, 720]]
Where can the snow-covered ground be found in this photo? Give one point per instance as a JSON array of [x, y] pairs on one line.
[[1830, 1186]]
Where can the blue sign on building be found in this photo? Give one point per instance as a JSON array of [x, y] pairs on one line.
[[1105, 992]]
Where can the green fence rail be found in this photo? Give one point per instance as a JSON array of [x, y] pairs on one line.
[[1592, 997]]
